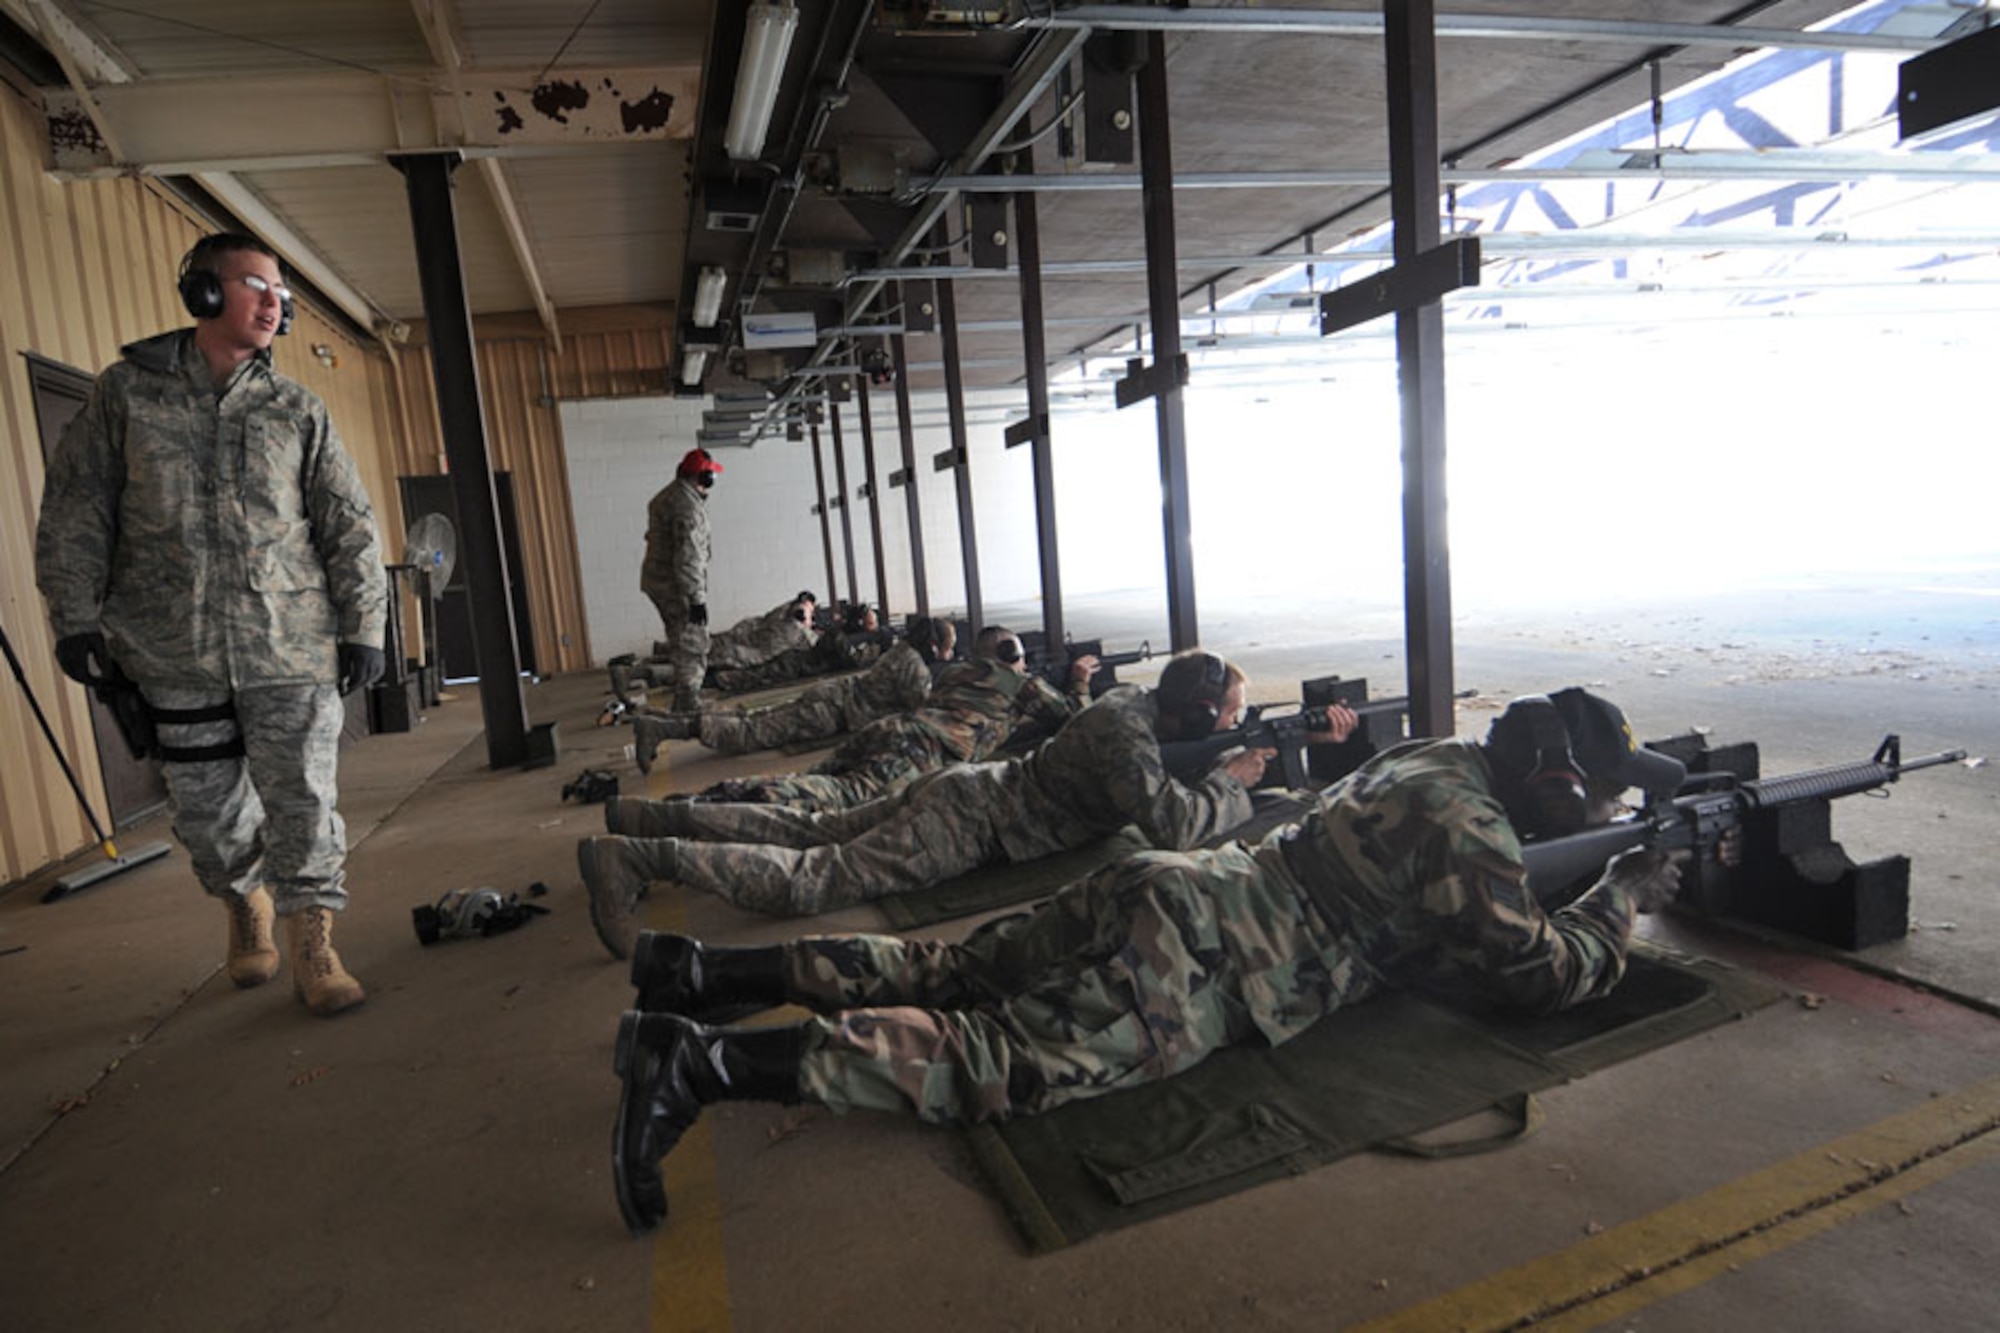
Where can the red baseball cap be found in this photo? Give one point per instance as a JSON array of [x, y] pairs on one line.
[[696, 462]]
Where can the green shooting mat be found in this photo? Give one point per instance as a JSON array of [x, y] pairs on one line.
[[992, 887], [1369, 1077]]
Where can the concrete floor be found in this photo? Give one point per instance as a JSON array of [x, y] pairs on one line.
[[175, 1154]]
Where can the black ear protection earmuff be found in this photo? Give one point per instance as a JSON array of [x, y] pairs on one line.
[[1202, 709], [201, 289], [1554, 785]]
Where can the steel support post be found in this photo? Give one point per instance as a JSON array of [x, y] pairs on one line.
[[1410, 43], [954, 397], [1156, 190], [454, 362], [825, 517], [1034, 344], [840, 500], [871, 485], [906, 433]]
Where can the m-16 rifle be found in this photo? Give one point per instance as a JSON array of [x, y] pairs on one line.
[[1055, 669], [1790, 874], [1288, 733], [858, 644]]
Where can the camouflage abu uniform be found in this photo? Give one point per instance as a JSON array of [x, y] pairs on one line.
[[757, 639], [1100, 772], [675, 574], [900, 681], [831, 653], [223, 543], [972, 710], [1408, 874]]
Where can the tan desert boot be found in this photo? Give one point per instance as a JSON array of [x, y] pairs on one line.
[[317, 976], [253, 957]]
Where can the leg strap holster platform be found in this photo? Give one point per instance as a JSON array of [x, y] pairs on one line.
[[187, 717]]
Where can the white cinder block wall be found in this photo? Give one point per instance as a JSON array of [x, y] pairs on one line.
[[767, 542], [620, 452]]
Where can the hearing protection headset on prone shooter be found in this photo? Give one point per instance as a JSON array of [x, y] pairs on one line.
[[1198, 713], [201, 288], [1554, 784]]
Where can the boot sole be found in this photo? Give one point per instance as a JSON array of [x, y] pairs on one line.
[[639, 1220], [250, 979]]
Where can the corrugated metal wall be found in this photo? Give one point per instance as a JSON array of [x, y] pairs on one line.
[[85, 268]]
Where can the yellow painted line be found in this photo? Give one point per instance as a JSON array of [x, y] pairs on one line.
[[690, 1272], [1679, 1247], [690, 1269]]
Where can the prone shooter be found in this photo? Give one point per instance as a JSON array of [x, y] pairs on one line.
[[1787, 873]]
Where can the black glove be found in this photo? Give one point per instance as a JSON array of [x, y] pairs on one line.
[[697, 613], [360, 666], [74, 653]]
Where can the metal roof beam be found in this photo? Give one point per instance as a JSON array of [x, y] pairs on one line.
[[1803, 165], [1581, 243], [332, 117], [305, 260], [439, 23], [1361, 23], [1031, 78]]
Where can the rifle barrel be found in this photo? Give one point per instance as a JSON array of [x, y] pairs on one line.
[[1396, 703], [1839, 779]]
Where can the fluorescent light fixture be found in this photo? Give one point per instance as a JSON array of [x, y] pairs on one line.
[[693, 362], [708, 296], [767, 38]]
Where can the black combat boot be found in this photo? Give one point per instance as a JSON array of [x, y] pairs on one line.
[[672, 1067], [712, 984]]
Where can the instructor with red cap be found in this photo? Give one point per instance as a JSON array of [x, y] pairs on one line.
[[675, 573]]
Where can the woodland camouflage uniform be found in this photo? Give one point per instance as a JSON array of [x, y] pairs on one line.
[[223, 544], [1407, 874], [1100, 772]]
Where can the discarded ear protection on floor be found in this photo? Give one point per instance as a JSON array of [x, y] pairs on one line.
[[463, 913]]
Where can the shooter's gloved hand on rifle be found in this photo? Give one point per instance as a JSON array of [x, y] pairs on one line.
[[1651, 875], [84, 657]]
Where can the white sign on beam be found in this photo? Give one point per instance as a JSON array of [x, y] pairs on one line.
[[786, 329]]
